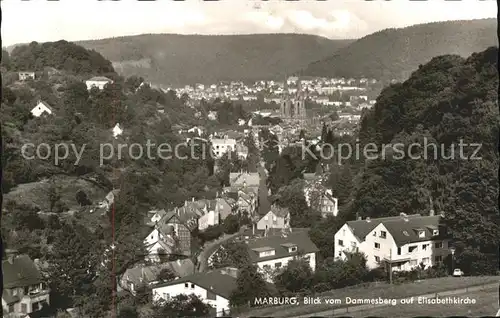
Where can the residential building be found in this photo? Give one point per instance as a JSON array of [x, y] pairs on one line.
[[117, 131], [244, 179], [328, 204], [222, 145], [270, 253], [276, 218], [41, 108], [403, 241], [241, 151], [172, 234], [98, 82], [144, 276], [24, 290], [24, 76], [213, 288]]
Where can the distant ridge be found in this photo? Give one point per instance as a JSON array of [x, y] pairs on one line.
[[173, 59], [395, 53]]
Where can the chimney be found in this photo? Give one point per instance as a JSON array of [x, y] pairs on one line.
[[11, 255]]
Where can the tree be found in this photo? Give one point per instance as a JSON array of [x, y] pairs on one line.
[[182, 306], [250, 285], [165, 275], [296, 277], [341, 182], [54, 194], [231, 224], [82, 198], [231, 254], [128, 312]]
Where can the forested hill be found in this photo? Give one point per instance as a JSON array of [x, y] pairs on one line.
[[446, 100], [170, 59], [395, 53], [61, 55]]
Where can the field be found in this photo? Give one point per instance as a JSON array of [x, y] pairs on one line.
[[486, 305], [382, 290]]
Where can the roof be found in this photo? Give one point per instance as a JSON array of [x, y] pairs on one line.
[[238, 178], [180, 268], [301, 239], [309, 176], [361, 228], [100, 79], [22, 272], [220, 284], [279, 211], [397, 227]]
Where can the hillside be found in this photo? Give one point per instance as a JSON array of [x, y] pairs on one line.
[[445, 103], [395, 53], [171, 59]]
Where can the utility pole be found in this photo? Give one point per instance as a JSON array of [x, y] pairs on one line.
[[390, 266]]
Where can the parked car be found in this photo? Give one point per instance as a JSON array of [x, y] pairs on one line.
[[458, 272]]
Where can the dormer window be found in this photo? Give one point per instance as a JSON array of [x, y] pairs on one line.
[[405, 233], [421, 234], [264, 251], [435, 232], [291, 247]]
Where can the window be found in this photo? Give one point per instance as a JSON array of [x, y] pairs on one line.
[[438, 245], [377, 259], [340, 254], [277, 265], [377, 245], [413, 262], [425, 260], [186, 285], [341, 243], [438, 259], [424, 247], [374, 233], [435, 232], [293, 249], [192, 285], [399, 250], [383, 234], [412, 249]]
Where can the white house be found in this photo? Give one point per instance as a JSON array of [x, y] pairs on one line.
[[98, 81], [222, 145], [117, 131], [41, 108], [276, 218], [270, 253], [403, 241], [212, 115], [23, 76], [213, 288]]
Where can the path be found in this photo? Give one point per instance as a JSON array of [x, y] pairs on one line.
[[211, 247], [343, 311]]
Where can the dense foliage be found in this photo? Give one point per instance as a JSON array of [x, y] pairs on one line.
[[61, 55], [447, 101]]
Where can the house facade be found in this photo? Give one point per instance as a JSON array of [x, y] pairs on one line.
[[403, 242], [24, 76], [41, 108], [277, 218], [273, 252], [213, 288], [24, 290], [222, 145], [98, 82]]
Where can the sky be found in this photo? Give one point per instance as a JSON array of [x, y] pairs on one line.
[[72, 20]]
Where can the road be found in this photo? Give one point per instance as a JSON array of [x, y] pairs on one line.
[[343, 311], [211, 247]]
